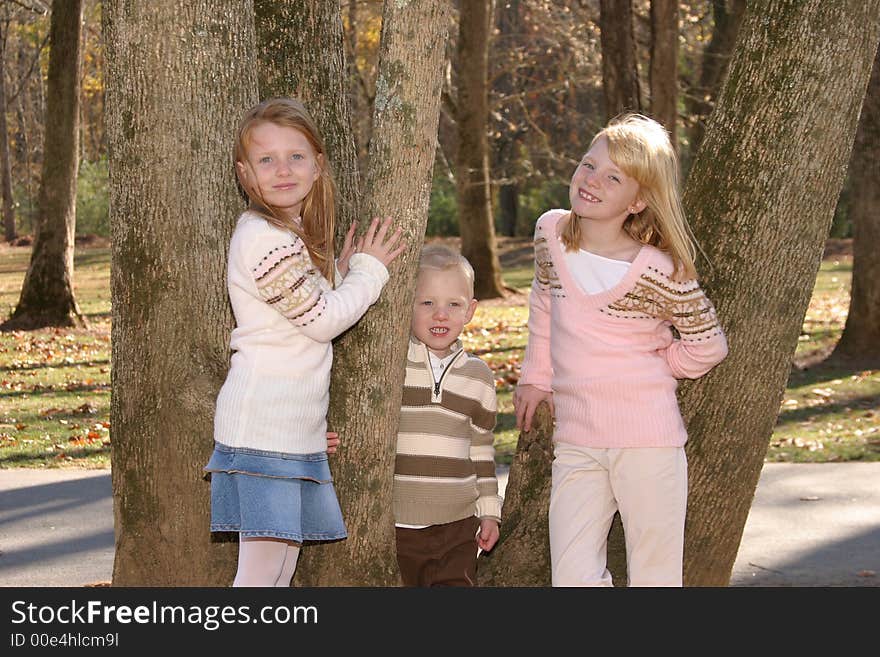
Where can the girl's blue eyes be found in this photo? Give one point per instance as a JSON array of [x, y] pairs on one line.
[[267, 159], [589, 165]]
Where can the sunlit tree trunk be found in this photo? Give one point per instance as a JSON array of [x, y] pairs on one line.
[[664, 65], [620, 74]]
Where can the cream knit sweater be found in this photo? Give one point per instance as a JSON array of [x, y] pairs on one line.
[[276, 393]]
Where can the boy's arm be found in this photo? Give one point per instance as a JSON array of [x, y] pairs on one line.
[[482, 451]]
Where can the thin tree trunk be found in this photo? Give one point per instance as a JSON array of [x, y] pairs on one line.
[[700, 100], [475, 220], [797, 64], [664, 65], [5, 167], [179, 77], [620, 74], [506, 146], [861, 334], [367, 378], [47, 292]]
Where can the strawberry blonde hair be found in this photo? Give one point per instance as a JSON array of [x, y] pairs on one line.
[[641, 149], [319, 209]]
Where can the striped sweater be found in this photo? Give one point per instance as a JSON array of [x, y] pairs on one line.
[[610, 359], [445, 465], [286, 313]]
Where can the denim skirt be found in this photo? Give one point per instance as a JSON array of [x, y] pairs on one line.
[[272, 494]]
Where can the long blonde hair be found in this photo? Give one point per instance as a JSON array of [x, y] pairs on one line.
[[640, 147], [319, 207]]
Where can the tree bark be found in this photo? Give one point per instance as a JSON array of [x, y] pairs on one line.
[[790, 103], [700, 100], [620, 73], [475, 220], [9, 232], [179, 77], [861, 334], [47, 297], [664, 65], [300, 50], [367, 380], [504, 56]]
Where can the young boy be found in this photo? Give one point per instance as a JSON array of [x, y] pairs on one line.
[[445, 488]]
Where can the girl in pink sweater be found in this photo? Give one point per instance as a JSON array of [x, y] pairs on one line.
[[615, 317]]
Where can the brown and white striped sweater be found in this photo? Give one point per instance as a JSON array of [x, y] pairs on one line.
[[445, 466]]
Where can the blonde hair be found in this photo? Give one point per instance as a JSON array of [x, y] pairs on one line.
[[319, 210], [640, 147], [437, 257]]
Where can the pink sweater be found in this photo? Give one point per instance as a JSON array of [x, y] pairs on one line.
[[610, 358]]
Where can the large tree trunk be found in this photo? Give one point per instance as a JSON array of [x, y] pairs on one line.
[[5, 167], [47, 293], [861, 334], [797, 64], [301, 54], [367, 379], [664, 65], [179, 77], [620, 74], [727, 16], [475, 220]]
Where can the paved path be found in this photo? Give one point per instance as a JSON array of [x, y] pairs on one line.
[[810, 525]]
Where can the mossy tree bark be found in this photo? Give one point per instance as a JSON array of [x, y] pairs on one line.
[[179, 77], [860, 341], [367, 379], [47, 297], [783, 128]]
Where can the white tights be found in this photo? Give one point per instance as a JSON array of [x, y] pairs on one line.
[[265, 562]]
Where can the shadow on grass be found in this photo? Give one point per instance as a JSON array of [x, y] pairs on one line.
[[96, 388], [28, 459], [39, 366], [864, 402]]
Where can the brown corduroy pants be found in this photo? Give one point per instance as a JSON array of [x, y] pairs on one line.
[[439, 555]]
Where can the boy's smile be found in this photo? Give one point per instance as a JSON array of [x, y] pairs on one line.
[[441, 307]]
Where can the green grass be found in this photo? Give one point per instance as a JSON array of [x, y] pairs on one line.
[[55, 383]]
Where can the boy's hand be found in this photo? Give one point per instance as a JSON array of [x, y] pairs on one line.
[[332, 442], [348, 250], [488, 535], [379, 244], [526, 399]]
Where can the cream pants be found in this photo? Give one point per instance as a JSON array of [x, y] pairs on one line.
[[649, 488]]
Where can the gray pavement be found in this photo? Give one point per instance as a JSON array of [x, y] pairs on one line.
[[809, 525]]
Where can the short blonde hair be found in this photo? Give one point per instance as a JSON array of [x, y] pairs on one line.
[[438, 257]]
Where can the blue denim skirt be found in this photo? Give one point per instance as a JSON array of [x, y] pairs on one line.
[[272, 494]]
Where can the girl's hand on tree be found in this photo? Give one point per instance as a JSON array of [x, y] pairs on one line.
[[375, 243], [332, 442], [348, 250], [526, 399]]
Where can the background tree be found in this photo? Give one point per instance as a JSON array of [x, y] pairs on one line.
[[620, 75], [47, 297], [9, 231], [861, 334], [180, 75], [727, 16], [780, 111], [664, 65], [476, 224]]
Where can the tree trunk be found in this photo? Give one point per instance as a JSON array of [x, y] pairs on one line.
[[797, 64], [367, 379], [727, 16], [783, 128], [47, 293], [472, 162], [504, 56], [179, 77], [861, 334], [300, 53], [664, 65], [5, 167], [620, 73]]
